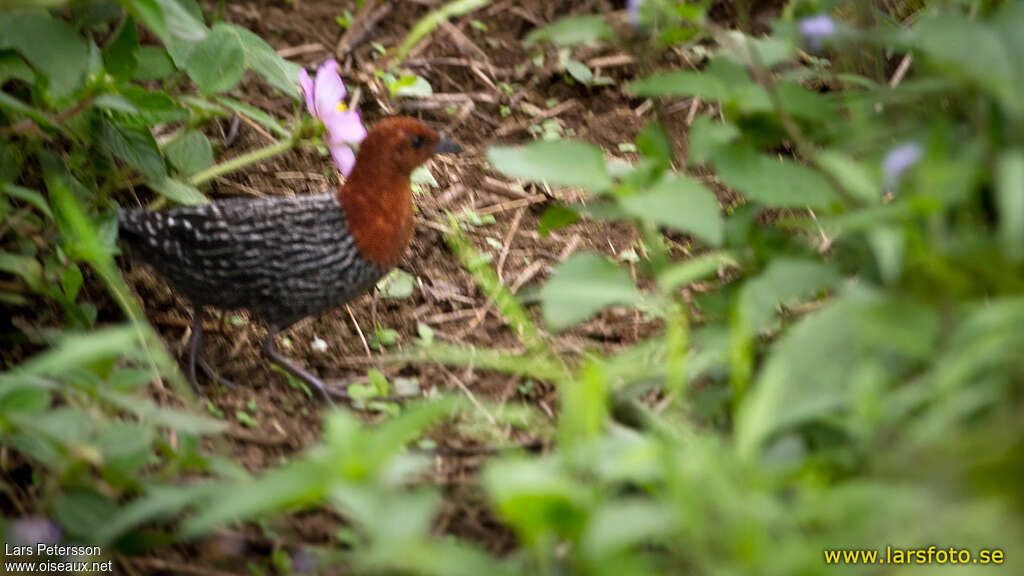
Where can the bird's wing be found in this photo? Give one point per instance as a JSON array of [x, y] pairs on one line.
[[242, 253]]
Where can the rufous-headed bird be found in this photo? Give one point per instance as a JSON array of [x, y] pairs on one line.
[[288, 258]]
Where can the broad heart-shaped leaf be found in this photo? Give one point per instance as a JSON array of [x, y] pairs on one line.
[[190, 153], [134, 146], [121, 54], [582, 286], [217, 63], [557, 162], [572, 30], [50, 45], [681, 203], [179, 192], [774, 182], [1010, 199], [266, 62]]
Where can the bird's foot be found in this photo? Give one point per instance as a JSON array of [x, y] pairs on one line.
[[213, 374]]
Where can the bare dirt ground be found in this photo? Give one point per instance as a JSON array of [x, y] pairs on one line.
[[488, 89]]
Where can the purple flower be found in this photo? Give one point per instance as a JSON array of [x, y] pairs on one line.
[[325, 100], [899, 160], [633, 6], [816, 29]]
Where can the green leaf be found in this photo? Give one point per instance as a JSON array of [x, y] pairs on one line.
[[851, 175], [134, 146], [706, 136], [774, 182], [694, 269], [653, 143], [556, 217], [681, 203], [433, 19], [572, 30], [684, 83], [559, 163], [120, 55], [178, 191], [579, 71], [190, 153], [397, 285], [77, 509], [1010, 200], [50, 45], [153, 64], [217, 63], [150, 14], [581, 287], [266, 62], [14, 67], [152, 107], [27, 267], [27, 399], [255, 114], [785, 282], [33, 197]]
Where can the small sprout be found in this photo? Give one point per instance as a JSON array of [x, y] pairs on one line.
[[494, 243], [425, 332], [293, 382], [344, 19], [539, 60], [379, 48], [473, 219], [217, 412], [382, 338], [252, 407], [478, 25], [236, 320], [379, 382], [627, 147], [507, 88], [551, 102], [506, 111], [246, 420], [526, 389]]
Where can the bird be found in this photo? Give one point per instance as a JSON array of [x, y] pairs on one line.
[[287, 258]]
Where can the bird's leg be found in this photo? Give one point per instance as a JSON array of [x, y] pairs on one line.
[[212, 374], [270, 349], [195, 356]]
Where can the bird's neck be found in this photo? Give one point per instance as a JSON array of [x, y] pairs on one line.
[[379, 212]]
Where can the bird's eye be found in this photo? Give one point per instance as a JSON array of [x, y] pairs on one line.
[[417, 142]]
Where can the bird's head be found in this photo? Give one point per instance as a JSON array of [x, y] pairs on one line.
[[399, 145]]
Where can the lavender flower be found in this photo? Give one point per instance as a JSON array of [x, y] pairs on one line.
[[817, 29], [899, 160], [633, 7], [325, 100]]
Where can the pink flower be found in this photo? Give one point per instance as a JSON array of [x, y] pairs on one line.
[[325, 98]]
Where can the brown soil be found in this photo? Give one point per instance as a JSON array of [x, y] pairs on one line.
[[474, 74]]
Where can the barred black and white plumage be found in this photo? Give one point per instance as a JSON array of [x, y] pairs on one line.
[[288, 258], [282, 258]]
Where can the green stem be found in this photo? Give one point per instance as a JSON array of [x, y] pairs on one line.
[[242, 161]]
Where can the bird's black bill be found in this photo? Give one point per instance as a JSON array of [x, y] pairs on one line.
[[446, 146]]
